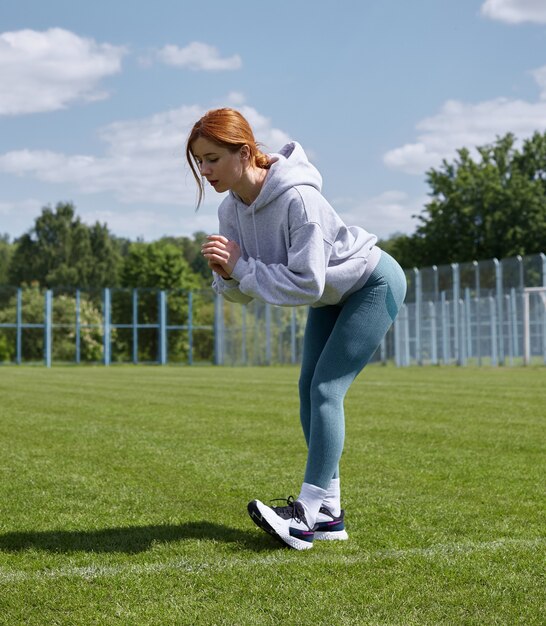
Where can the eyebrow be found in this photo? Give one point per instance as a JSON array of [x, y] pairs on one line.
[[206, 154]]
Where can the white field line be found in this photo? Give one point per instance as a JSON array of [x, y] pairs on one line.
[[187, 566]]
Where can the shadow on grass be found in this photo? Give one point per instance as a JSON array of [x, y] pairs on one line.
[[132, 539]]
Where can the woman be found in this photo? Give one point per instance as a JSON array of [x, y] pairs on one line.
[[281, 242]]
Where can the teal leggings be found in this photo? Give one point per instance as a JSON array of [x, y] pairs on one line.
[[339, 341]]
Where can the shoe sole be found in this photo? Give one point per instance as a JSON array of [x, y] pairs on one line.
[[334, 535], [264, 517]]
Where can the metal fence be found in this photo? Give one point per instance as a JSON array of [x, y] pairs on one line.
[[106, 326], [488, 312], [484, 313]]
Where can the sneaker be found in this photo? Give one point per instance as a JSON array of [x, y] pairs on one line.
[[285, 523], [330, 527]]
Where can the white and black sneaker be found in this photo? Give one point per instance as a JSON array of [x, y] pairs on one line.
[[329, 527], [286, 523]]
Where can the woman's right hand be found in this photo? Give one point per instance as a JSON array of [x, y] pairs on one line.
[[221, 254]]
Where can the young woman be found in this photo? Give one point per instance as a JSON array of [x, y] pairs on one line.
[[281, 242]]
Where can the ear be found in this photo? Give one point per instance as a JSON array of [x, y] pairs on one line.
[[245, 152]]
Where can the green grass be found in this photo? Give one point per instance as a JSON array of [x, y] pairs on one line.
[[123, 496]]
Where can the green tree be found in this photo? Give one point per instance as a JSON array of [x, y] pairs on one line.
[[60, 250], [152, 267], [191, 250], [158, 265], [492, 206], [6, 252]]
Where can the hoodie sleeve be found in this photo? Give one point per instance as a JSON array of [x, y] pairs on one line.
[[229, 289], [298, 282]]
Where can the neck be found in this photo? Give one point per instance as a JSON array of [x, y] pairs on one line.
[[251, 184]]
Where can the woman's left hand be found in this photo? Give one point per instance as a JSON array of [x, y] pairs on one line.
[[222, 254]]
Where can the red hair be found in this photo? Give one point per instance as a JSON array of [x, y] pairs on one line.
[[226, 128]]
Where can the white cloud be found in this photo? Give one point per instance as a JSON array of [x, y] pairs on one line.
[[460, 124], [144, 161], [20, 214], [46, 71], [235, 98], [383, 215], [198, 56], [515, 11], [540, 77], [152, 224]]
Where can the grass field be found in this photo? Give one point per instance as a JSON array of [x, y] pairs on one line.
[[123, 495]]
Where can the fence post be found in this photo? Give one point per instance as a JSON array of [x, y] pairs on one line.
[[267, 333], [526, 329], [293, 356], [218, 331], [500, 316], [456, 317], [78, 328], [493, 325], [468, 321], [433, 333], [514, 322], [418, 303], [509, 329], [162, 328], [397, 338], [407, 357], [519, 260], [243, 331], [135, 326], [48, 313], [478, 312], [446, 356], [543, 259], [106, 326], [543, 264], [462, 332], [396, 341], [190, 328], [19, 327]]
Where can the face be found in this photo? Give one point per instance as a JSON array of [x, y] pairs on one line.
[[222, 169]]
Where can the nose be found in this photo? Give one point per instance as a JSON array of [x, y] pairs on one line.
[[204, 169]]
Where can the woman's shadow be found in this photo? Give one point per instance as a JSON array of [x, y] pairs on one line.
[[131, 539]]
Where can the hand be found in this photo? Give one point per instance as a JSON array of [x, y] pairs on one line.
[[221, 254]]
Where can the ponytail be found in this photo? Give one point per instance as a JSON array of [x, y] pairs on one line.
[[262, 160]]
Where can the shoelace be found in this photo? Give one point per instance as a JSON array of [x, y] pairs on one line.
[[290, 510]]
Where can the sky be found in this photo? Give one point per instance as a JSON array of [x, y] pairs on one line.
[[97, 99]]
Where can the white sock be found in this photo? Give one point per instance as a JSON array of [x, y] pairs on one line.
[[311, 497], [332, 499]]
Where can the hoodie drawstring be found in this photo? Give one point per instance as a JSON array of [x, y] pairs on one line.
[[258, 257], [255, 233]]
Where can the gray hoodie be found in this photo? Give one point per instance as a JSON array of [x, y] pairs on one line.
[[295, 248]]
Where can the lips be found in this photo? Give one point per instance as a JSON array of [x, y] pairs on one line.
[[213, 182]]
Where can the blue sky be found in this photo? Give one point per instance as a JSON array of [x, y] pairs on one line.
[[96, 99]]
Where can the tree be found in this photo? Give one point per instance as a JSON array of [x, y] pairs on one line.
[[152, 267], [494, 206], [62, 251], [6, 253], [191, 250], [158, 265]]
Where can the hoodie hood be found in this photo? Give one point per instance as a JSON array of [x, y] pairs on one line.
[[290, 167]]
